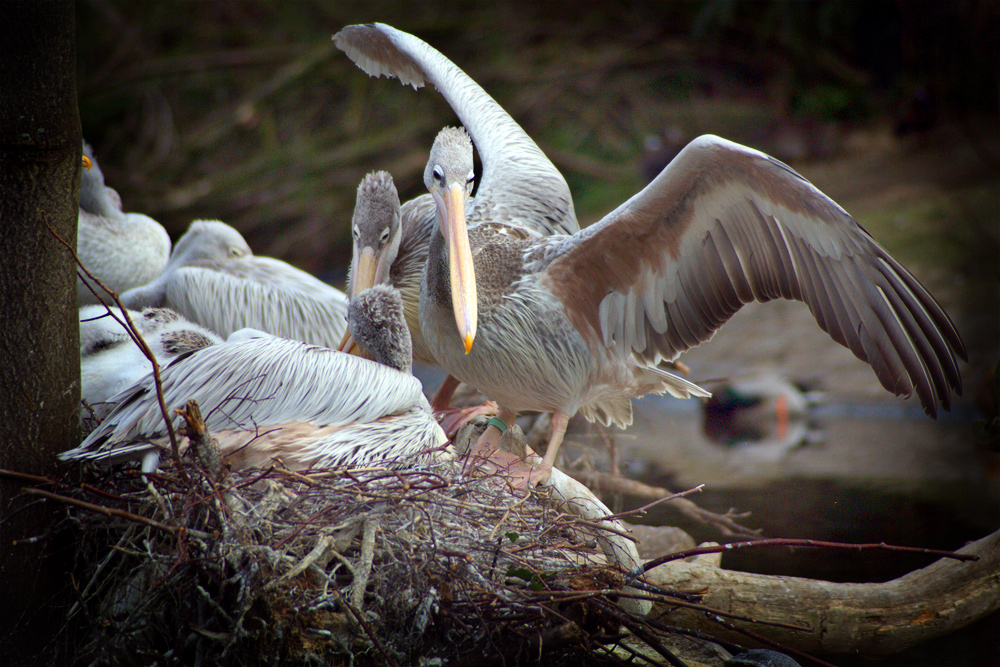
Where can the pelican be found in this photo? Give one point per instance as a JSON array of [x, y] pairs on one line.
[[123, 250], [390, 247], [268, 398], [213, 278], [395, 253], [111, 361], [582, 322]]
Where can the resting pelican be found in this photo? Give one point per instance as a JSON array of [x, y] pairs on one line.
[[111, 361], [213, 278], [582, 322], [266, 398], [123, 250]]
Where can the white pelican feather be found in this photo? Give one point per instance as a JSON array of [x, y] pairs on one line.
[[213, 278]]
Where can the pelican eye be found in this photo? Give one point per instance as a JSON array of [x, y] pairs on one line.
[[356, 233], [438, 173], [235, 252], [384, 236], [471, 179]]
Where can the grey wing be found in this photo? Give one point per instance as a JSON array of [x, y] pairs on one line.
[[518, 181], [254, 382], [724, 225], [261, 293]]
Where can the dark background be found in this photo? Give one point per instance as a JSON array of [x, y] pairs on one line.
[[245, 111]]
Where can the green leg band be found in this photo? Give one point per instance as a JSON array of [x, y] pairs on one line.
[[499, 423]]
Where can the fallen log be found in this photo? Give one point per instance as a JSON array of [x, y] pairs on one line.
[[871, 618]]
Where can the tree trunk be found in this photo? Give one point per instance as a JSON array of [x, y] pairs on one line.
[[40, 149]]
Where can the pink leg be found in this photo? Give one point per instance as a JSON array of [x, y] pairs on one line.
[[485, 455], [453, 419], [442, 397], [488, 441], [560, 420]]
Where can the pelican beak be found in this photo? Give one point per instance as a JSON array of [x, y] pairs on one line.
[[364, 271], [86, 163], [364, 274], [462, 274], [348, 345]]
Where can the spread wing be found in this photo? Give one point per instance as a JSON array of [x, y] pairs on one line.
[[518, 181], [724, 225]]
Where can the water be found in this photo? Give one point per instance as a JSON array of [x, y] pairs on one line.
[[872, 471]]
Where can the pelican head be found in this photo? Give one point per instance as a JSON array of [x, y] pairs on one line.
[[95, 197], [376, 230], [449, 176], [377, 322], [208, 242]]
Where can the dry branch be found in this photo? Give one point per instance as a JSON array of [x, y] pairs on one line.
[[875, 618]]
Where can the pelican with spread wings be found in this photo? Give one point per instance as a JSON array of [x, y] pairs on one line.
[[583, 322]]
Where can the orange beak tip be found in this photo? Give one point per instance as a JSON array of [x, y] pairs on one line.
[[468, 343], [86, 163]]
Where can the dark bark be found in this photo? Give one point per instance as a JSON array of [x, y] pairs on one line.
[[39, 337]]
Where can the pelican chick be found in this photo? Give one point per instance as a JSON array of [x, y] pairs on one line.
[[267, 398], [390, 247], [123, 250], [213, 278], [111, 361]]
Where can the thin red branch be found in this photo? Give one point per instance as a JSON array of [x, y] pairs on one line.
[[794, 542], [138, 340]]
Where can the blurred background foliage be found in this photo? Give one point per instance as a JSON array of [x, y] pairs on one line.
[[246, 112]]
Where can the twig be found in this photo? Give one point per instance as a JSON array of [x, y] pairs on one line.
[[138, 340], [200, 441], [322, 546], [640, 511], [587, 594], [639, 630], [619, 484], [111, 511], [23, 476], [769, 642], [364, 566], [793, 542], [368, 631]]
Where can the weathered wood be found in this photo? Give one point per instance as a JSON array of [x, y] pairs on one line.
[[873, 618]]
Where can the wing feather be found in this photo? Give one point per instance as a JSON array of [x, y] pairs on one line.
[[518, 180], [260, 293], [255, 382], [724, 225]]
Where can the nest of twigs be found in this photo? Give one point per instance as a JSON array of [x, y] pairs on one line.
[[335, 567]]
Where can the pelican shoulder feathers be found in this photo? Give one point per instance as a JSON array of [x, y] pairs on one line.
[[111, 361], [213, 278]]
